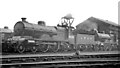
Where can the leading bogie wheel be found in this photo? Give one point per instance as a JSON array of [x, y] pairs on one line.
[[34, 49], [20, 48]]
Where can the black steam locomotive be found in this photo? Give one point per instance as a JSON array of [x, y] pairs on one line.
[[60, 38]]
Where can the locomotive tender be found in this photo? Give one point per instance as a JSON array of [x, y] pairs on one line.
[[60, 38]]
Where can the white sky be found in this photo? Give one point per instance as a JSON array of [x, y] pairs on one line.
[[51, 11]]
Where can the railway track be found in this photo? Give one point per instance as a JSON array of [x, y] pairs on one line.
[[14, 55], [69, 63], [61, 59]]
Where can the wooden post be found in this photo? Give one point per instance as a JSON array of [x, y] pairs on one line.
[[0, 42], [0, 47]]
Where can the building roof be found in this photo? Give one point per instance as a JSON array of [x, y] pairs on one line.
[[100, 21], [104, 21], [87, 25]]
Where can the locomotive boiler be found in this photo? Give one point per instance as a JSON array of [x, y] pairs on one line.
[[60, 38]]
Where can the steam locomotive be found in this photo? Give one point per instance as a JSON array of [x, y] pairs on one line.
[[60, 38], [5, 33]]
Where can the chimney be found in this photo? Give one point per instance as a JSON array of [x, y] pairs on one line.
[[23, 19]]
